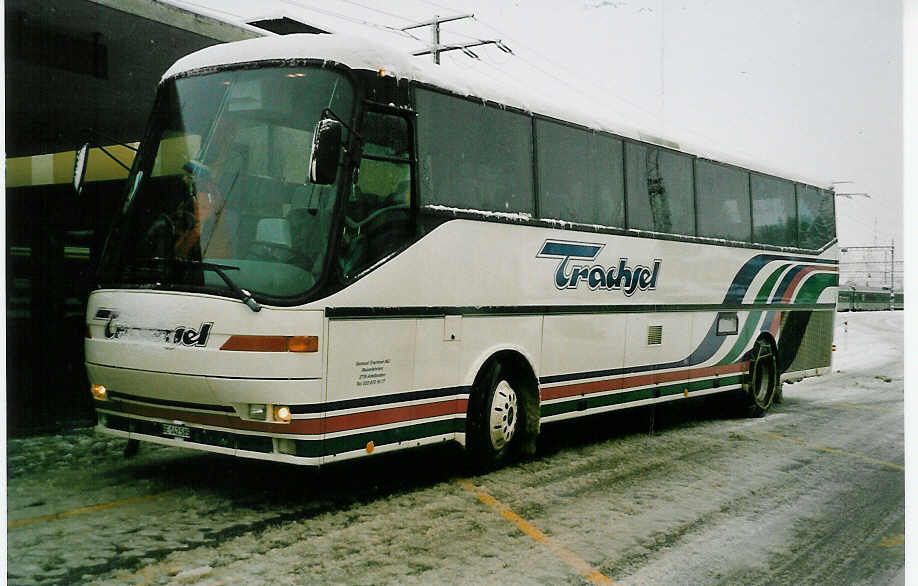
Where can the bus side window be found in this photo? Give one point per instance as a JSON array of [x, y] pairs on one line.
[[385, 171], [377, 214]]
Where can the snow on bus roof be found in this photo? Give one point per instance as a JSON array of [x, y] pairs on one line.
[[361, 53]]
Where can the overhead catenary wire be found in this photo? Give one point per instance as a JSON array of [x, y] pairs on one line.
[[572, 83], [406, 34], [566, 83], [348, 18], [562, 66], [377, 10], [438, 5], [606, 90], [654, 117]]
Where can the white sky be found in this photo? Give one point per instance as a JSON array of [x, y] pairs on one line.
[[811, 87]]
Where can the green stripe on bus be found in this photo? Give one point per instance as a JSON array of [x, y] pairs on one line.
[[636, 395], [752, 321], [765, 291], [359, 441], [749, 328], [814, 287]]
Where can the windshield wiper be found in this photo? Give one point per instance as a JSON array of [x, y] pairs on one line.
[[243, 294]]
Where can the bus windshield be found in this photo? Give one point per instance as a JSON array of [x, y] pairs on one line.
[[222, 180]]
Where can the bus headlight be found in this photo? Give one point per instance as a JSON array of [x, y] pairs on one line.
[[98, 392], [282, 413]]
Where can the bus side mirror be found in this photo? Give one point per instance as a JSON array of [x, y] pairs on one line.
[[326, 150], [79, 167]]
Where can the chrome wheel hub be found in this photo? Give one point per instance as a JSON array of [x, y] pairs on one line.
[[504, 415]]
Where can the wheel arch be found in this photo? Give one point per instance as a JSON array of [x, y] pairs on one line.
[[768, 337], [510, 352], [524, 379]]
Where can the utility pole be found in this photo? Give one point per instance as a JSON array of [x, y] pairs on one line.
[[892, 270], [436, 48]]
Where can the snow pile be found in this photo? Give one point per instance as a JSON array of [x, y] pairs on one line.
[[867, 340], [519, 216]]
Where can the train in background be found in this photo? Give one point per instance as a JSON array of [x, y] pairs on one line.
[[854, 298]]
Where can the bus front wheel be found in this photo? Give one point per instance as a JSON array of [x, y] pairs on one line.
[[763, 378], [495, 421]]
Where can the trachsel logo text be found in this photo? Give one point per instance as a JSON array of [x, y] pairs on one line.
[[178, 336], [577, 267]]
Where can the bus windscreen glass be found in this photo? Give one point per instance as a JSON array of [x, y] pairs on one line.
[[222, 179]]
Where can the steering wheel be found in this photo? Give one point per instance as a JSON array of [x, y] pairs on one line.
[[274, 252], [358, 225], [160, 236]]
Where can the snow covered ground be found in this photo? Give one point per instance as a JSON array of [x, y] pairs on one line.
[[685, 494]]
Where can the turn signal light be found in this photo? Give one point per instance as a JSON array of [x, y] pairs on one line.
[[303, 343], [99, 392], [282, 413], [256, 343], [240, 343]]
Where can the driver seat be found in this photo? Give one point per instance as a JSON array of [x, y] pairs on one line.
[[273, 241]]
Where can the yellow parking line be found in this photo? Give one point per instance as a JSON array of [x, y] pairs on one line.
[[892, 465], [865, 407], [893, 541], [567, 556], [82, 510]]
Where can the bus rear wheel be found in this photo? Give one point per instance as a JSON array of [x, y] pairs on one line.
[[495, 421], [763, 378]]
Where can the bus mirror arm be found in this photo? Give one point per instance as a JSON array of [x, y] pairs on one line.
[[326, 148], [81, 158], [327, 113]]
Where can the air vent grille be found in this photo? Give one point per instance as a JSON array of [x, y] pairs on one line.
[[654, 335]]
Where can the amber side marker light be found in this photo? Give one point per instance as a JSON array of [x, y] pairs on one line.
[[303, 343], [240, 343], [98, 392]]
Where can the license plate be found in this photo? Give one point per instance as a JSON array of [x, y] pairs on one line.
[[176, 430]]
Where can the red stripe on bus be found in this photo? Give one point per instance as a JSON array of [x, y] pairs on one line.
[[775, 324], [639, 381], [792, 287], [395, 415], [298, 426]]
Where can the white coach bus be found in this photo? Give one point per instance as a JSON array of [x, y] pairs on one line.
[[327, 250]]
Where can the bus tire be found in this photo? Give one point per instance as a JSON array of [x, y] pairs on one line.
[[495, 423], [763, 378]]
